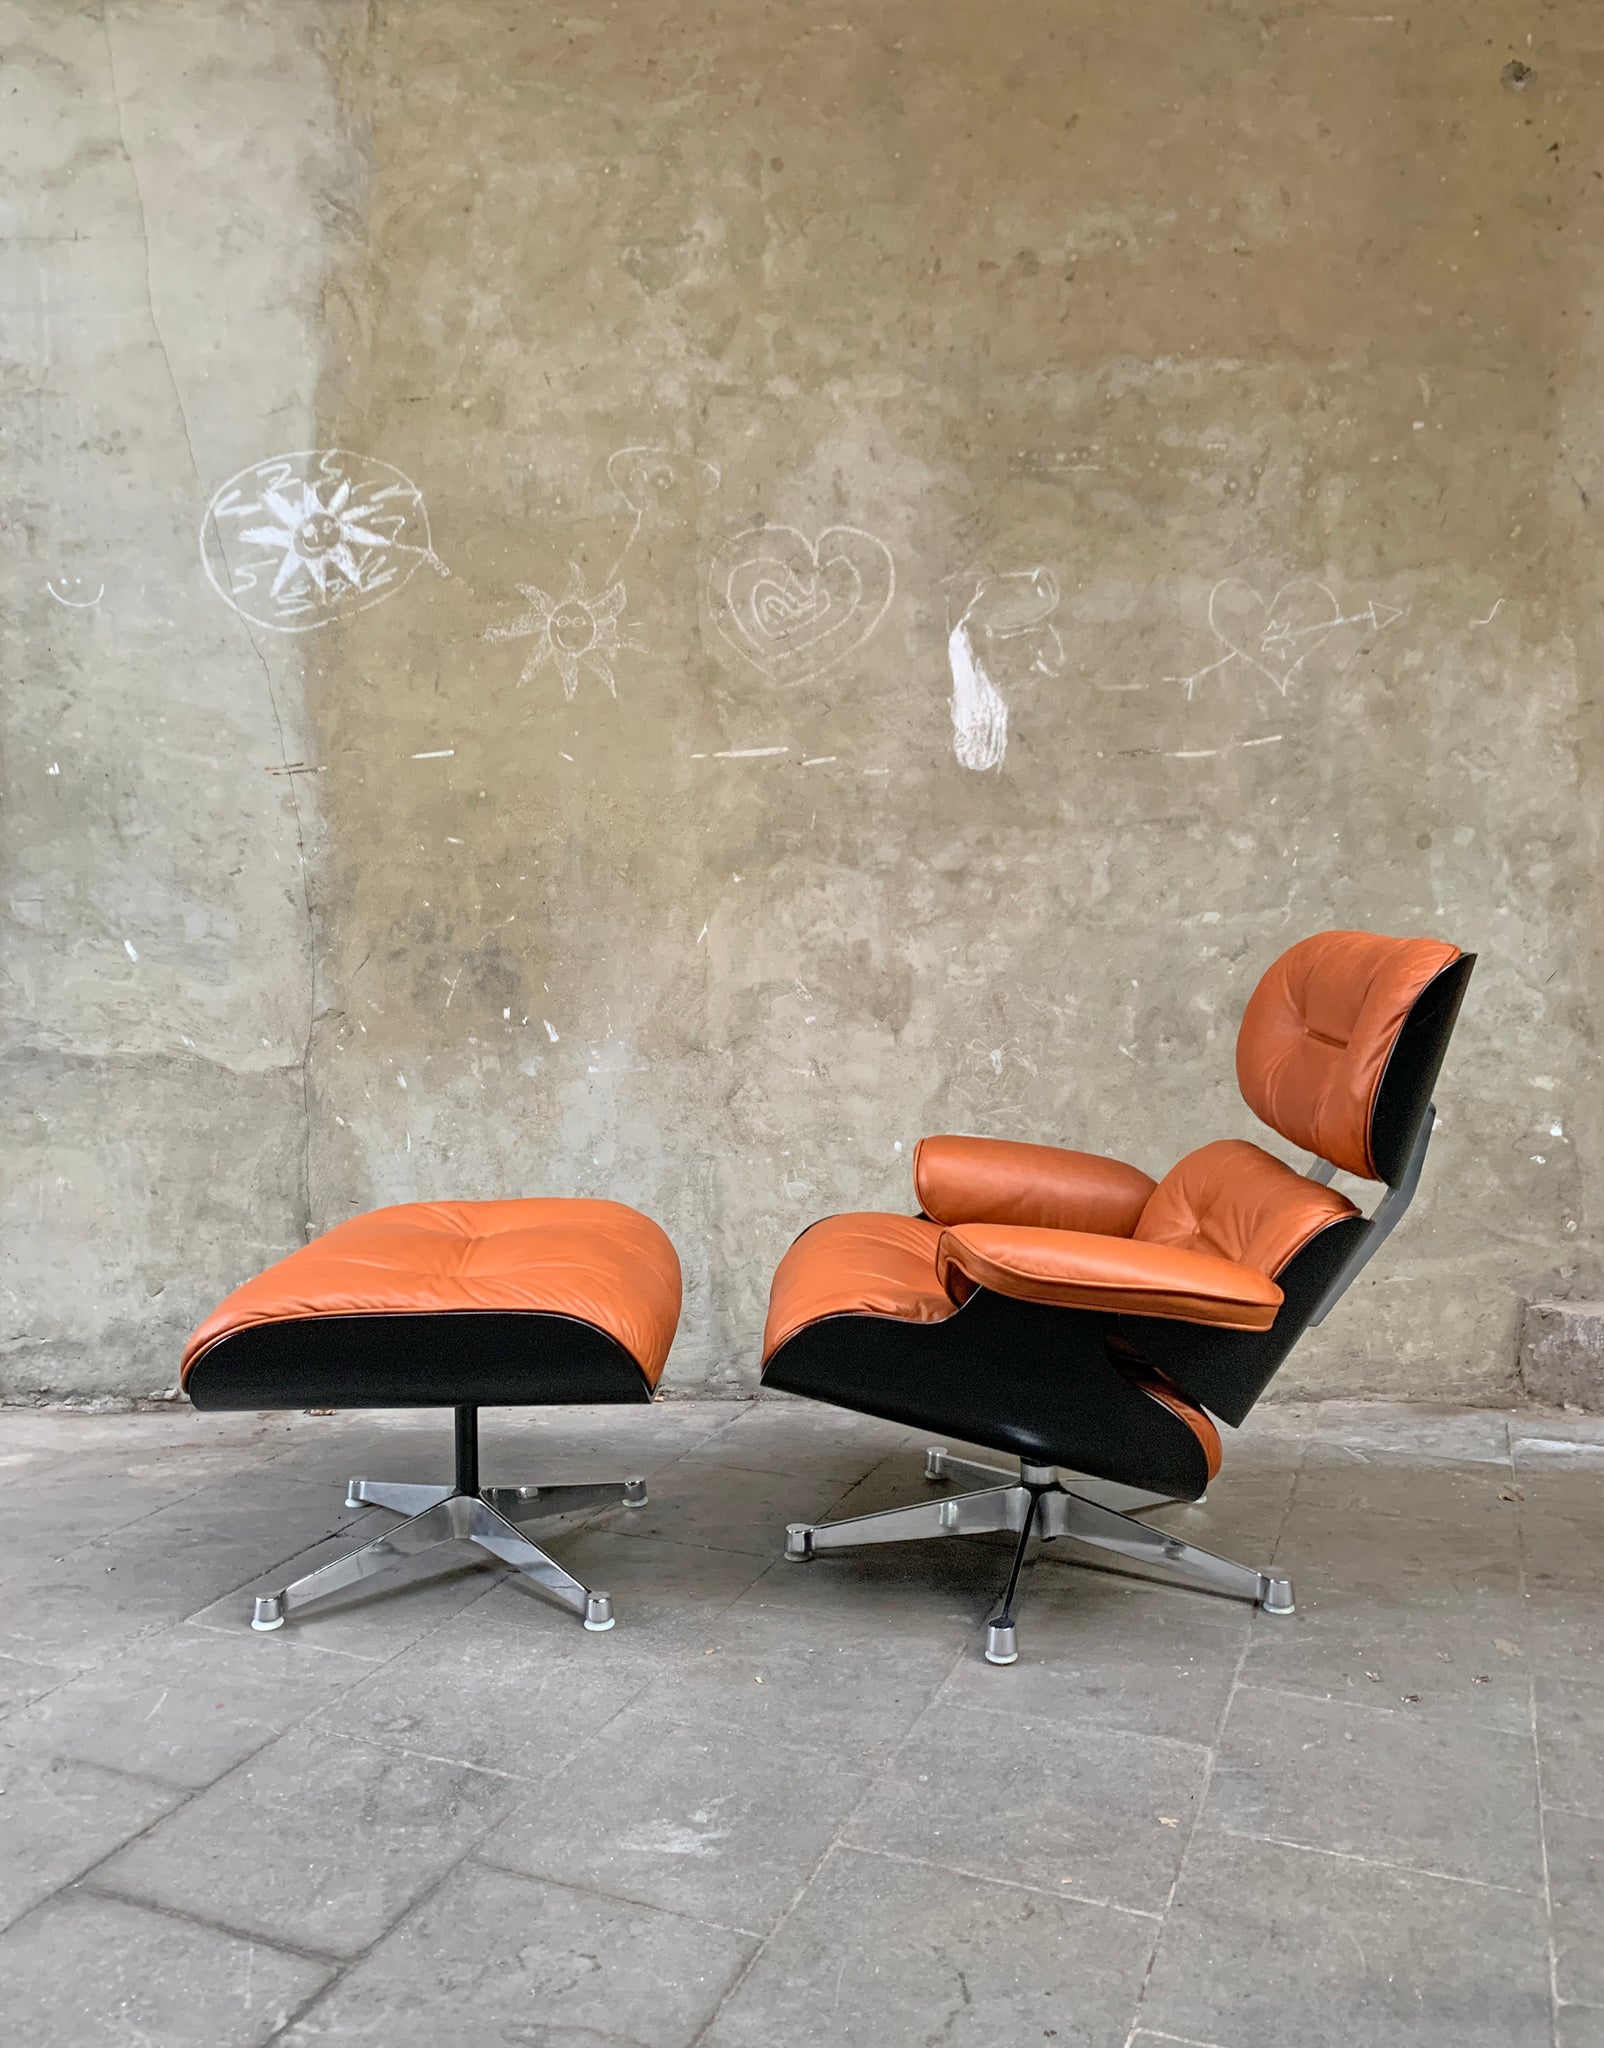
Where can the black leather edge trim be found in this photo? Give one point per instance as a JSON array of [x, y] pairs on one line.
[[1404, 1092], [466, 1358], [1017, 1376]]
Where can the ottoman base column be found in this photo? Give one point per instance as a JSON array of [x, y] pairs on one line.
[[463, 1513]]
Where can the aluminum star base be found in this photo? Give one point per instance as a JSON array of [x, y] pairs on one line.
[[439, 1515], [1034, 1503]]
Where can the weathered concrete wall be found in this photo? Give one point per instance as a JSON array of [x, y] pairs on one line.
[[1211, 391], [166, 174]]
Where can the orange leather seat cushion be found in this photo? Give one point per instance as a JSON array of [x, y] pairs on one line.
[[1115, 1274], [599, 1262], [858, 1264], [995, 1180]]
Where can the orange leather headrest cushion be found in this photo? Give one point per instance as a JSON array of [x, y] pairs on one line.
[[1318, 1031]]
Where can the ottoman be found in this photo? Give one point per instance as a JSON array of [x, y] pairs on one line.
[[457, 1305]]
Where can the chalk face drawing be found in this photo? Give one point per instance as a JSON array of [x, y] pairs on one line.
[[74, 593], [297, 541], [572, 631], [1006, 624], [1278, 637], [661, 481], [797, 608]]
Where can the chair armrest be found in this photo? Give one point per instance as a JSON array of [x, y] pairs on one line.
[[1120, 1276], [992, 1180]]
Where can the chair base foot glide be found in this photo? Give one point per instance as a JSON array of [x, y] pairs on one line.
[[1002, 1643]]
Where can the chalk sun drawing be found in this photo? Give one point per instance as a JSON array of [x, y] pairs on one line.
[[573, 631], [1014, 607], [1277, 638], [797, 608], [299, 540]]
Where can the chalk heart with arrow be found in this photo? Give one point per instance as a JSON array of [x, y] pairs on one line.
[[797, 608], [1278, 637]]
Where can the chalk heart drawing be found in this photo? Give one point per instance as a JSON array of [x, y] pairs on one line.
[[659, 480], [1006, 625], [1275, 638], [797, 608], [299, 540]]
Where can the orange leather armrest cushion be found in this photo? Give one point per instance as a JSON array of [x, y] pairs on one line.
[[993, 1180], [1121, 1276]]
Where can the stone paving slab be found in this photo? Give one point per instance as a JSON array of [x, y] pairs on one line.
[[1268, 1945], [790, 1803], [84, 1967], [498, 1957]]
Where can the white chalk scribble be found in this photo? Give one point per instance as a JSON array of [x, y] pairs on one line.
[[1006, 614], [797, 608], [660, 481], [573, 631], [72, 592], [299, 540], [1277, 638]]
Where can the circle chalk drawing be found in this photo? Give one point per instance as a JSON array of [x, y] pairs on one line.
[[297, 541], [797, 608]]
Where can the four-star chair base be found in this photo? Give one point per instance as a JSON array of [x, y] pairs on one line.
[[1035, 1503], [464, 1512]]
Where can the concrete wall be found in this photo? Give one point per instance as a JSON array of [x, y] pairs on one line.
[[1214, 391]]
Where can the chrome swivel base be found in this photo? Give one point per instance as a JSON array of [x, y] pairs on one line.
[[1034, 1502], [463, 1513]]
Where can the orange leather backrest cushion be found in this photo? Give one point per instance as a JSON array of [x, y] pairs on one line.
[[1318, 1031], [1234, 1200]]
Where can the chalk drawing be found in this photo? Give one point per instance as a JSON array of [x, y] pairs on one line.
[[573, 630], [299, 540], [73, 593], [663, 480], [660, 481], [1493, 614], [1016, 606], [579, 631], [1277, 638], [797, 608]]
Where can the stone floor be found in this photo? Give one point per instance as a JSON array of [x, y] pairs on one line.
[[790, 1805]]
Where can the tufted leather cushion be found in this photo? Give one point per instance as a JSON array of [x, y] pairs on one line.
[[994, 1180], [1317, 1033], [864, 1264], [1117, 1275], [1236, 1201], [599, 1262]]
